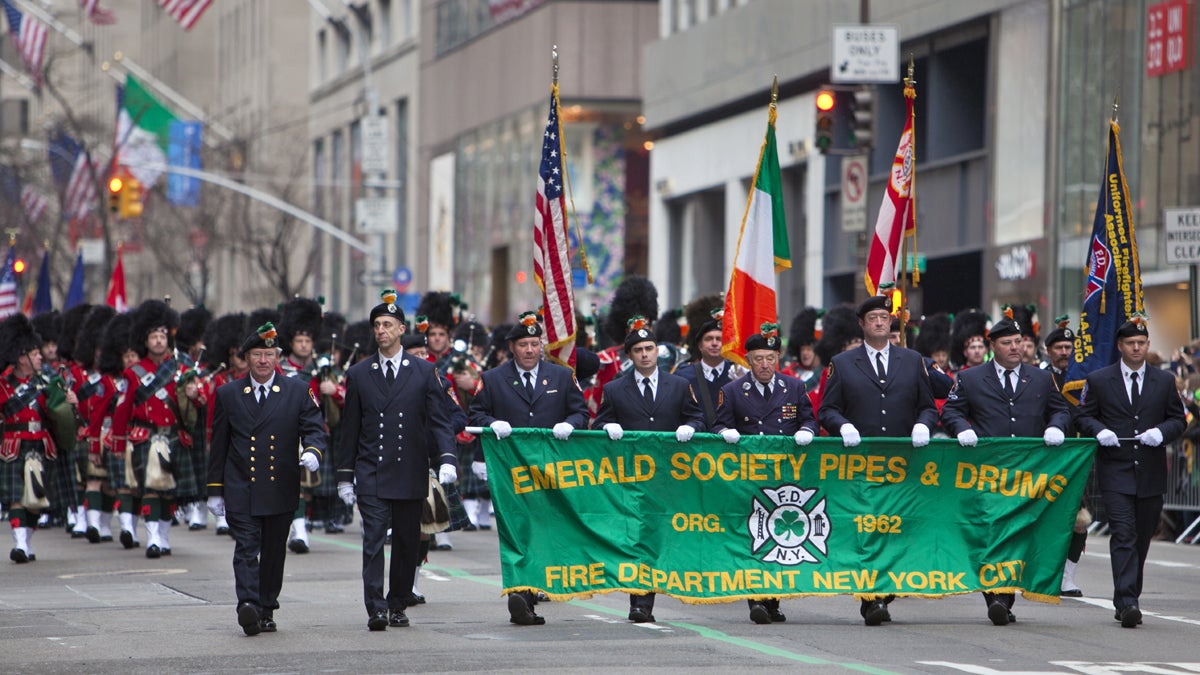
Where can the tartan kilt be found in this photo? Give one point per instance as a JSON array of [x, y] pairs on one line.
[[187, 483], [115, 460], [63, 486], [469, 485], [328, 470], [12, 474]]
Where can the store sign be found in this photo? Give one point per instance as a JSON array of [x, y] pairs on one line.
[[1167, 48], [865, 54], [1017, 263]]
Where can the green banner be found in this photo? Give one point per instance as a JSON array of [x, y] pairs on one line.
[[706, 521]]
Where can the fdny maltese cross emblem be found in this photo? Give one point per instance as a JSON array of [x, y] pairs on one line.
[[789, 527]]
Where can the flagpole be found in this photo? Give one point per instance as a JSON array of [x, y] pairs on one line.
[[562, 150], [910, 82]]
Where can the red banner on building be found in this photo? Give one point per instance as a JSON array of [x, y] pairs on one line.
[[1168, 49]]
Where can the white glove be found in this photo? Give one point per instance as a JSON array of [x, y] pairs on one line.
[[1108, 438], [850, 437], [614, 431], [731, 435], [503, 429], [1053, 436], [684, 433], [447, 474], [968, 438], [216, 506], [1151, 437], [309, 461], [346, 493], [803, 437], [562, 431], [479, 469], [920, 435]]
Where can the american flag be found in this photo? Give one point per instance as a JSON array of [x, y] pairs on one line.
[[33, 203], [97, 14], [72, 174], [552, 250], [186, 12], [8, 285], [29, 37]]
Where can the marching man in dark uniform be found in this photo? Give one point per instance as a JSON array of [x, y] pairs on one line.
[[253, 478], [528, 393], [1008, 399], [709, 371], [1133, 411], [1060, 346], [299, 325], [395, 426], [765, 402], [877, 389], [647, 399]]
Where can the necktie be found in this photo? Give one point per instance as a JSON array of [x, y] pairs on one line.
[[529, 384], [1135, 394], [879, 366], [262, 394], [764, 391], [391, 373], [1008, 383], [647, 392]]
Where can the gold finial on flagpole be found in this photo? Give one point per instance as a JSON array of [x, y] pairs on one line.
[[775, 91], [910, 80], [1115, 107], [12, 237], [554, 55]]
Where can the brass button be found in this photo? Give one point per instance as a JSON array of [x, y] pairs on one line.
[[251, 479], [272, 477], [272, 436], [252, 438], [251, 469]]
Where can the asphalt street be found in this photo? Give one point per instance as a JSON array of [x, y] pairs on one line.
[[84, 608]]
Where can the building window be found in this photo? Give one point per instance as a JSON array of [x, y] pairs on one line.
[[322, 56], [385, 23]]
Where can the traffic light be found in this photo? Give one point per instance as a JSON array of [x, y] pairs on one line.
[[826, 117], [897, 301], [131, 199], [115, 185], [862, 128], [19, 267]]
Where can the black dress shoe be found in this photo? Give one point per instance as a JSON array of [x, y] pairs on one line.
[[267, 623], [470, 527], [165, 551], [485, 528], [334, 527], [875, 613], [415, 599], [520, 613], [443, 547], [397, 619], [18, 556], [248, 619], [105, 538], [998, 613], [776, 615], [639, 614], [127, 539], [378, 621], [1131, 616], [222, 531], [153, 551], [759, 614], [197, 526], [93, 535], [1073, 593], [76, 534], [297, 546]]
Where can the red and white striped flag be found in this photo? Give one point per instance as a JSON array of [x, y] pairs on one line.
[[552, 248], [897, 213], [762, 251], [80, 194], [186, 12], [29, 37], [8, 285], [33, 203], [97, 14], [116, 287]]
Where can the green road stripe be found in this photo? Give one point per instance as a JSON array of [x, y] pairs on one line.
[[702, 631]]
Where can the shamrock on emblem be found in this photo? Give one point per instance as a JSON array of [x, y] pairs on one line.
[[789, 525]]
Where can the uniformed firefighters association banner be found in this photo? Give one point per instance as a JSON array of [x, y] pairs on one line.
[[707, 521]]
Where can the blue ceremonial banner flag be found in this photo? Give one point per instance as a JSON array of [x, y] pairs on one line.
[[1113, 290], [183, 150], [42, 301], [75, 295]]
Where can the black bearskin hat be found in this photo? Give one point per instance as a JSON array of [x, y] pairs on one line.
[[255, 319], [191, 326], [17, 337], [359, 340], [1026, 318], [91, 332], [840, 327], [438, 308], [635, 296], [968, 324], [333, 329], [300, 316], [114, 342], [803, 330], [934, 335], [223, 337], [151, 315], [473, 333], [72, 320], [48, 325], [667, 330], [697, 313]]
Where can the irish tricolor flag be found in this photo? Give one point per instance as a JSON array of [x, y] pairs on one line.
[[762, 251], [143, 131]]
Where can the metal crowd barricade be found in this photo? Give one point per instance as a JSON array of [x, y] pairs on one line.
[[1183, 489]]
